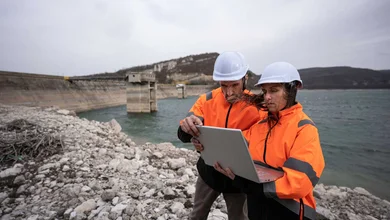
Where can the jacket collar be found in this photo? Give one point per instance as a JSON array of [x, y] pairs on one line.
[[285, 113]]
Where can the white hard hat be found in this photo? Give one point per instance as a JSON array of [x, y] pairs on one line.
[[279, 72], [230, 66]]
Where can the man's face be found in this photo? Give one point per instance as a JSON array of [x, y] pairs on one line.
[[231, 90]]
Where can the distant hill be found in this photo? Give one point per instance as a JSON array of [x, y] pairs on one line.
[[193, 69], [385, 71], [344, 78], [198, 69]]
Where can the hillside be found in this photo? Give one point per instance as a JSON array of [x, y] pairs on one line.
[[197, 70], [385, 71], [193, 69], [344, 78]]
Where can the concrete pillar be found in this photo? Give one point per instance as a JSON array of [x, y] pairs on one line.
[[141, 92], [153, 96], [181, 91]]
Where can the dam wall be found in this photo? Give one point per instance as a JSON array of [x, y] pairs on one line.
[[79, 95]]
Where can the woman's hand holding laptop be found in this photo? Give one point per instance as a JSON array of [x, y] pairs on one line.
[[227, 171]]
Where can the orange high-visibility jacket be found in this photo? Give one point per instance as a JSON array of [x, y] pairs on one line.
[[213, 109], [294, 146]]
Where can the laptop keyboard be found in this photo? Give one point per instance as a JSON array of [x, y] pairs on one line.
[[266, 175]]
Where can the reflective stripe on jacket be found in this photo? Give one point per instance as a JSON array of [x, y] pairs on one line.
[[294, 146]]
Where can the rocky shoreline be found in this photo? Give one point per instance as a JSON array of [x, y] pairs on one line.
[[102, 174]]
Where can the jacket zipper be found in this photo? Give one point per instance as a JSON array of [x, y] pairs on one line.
[[266, 139], [301, 209], [227, 116]]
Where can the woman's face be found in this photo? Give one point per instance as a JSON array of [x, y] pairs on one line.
[[274, 96]]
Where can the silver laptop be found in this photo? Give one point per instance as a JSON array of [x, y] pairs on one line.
[[228, 147]]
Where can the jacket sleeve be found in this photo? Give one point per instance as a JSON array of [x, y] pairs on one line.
[[247, 135], [302, 169], [197, 110]]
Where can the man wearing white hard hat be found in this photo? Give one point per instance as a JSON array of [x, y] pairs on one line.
[[221, 108]]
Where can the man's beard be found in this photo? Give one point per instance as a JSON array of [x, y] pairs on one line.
[[232, 99]]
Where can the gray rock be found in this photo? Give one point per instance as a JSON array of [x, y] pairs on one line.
[[188, 204], [129, 210], [35, 209], [108, 195], [86, 206], [19, 180], [85, 189], [113, 216], [46, 167], [33, 217], [176, 207], [3, 196], [177, 163], [189, 172], [326, 212], [21, 189], [51, 215], [95, 185], [361, 191], [190, 190], [369, 217], [67, 212], [64, 160], [40, 176], [18, 213], [158, 155], [96, 212], [53, 184], [217, 214], [85, 169], [115, 200], [6, 217], [102, 152], [115, 126], [134, 194], [63, 112], [119, 208], [103, 216], [13, 171], [150, 193], [65, 168]]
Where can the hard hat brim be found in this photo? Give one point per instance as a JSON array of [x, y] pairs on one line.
[[275, 81], [233, 77]]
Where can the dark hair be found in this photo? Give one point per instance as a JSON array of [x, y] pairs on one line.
[[291, 93], [256, 100]]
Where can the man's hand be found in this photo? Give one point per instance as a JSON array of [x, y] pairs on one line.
[[227, 171], [198, 146], [189, 125]]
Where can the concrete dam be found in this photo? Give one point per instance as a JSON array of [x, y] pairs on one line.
[[78, 95]]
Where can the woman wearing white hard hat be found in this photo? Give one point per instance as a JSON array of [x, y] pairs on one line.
[[287, 140]]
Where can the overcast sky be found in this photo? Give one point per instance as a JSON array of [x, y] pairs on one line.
[[84, 37]]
